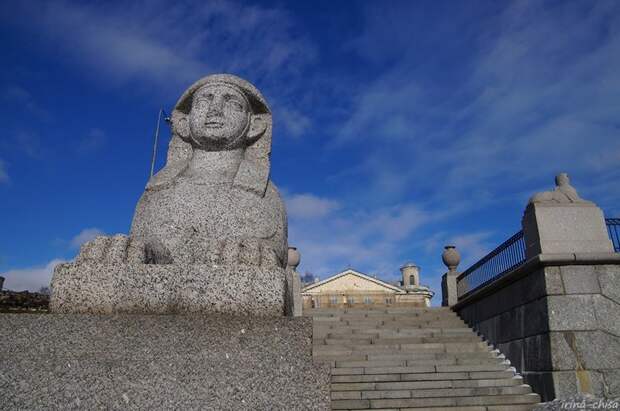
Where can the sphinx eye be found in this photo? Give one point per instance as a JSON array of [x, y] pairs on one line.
[[206, 97], [235, 105]]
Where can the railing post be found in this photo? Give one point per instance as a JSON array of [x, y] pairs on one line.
[[451, 258], [293, 286], [560, 221]]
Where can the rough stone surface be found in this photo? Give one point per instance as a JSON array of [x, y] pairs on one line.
[[553, 281], [580, 279], [564, 228], [571, 312], [562, 340], [158, 362], [220, 202], [560, 221], [607, 314], [208, 216], [609, 280], [155, 288]]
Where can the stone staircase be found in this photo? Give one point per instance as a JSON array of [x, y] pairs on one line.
[[413, 359]]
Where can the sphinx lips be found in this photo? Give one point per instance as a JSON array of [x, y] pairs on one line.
[[214, 124]]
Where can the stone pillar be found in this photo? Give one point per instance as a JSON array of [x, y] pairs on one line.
[[294, 302], [1, 282], [560, 222], [410, 270], [451, 258]]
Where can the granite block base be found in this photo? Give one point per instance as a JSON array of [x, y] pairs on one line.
[[164, 289], [159, 362]]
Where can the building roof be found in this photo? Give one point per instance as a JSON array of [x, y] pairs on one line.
[[355, 273]]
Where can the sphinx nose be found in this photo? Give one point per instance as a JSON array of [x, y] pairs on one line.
[[216, 107]]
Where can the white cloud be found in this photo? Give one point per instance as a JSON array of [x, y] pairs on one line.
[[31, 279], [295, 122], [531, 99], [84, 236], [309, 206], [4, 175], [374, 241], [472, 247], [170, 44]]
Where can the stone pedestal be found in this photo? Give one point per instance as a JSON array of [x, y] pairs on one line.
[[167, 288], [449, 295], [564, 228]]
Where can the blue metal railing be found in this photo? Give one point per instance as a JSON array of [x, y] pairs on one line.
[[505, 258], [508, 256], [613, 228]]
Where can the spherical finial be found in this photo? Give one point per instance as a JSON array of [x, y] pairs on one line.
[[451, 257], [293, 258]]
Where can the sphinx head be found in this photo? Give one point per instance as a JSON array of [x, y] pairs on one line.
[[221, 112]]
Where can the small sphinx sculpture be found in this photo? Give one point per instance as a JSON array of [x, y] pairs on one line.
[[564, 193], [210, 230]]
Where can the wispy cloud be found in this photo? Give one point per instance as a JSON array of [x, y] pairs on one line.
[[32, 278], [309, 206], [528, 100], [84, 236], [295, 122], [171, 44], [338, 236]]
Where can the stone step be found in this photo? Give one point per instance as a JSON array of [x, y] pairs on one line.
[[369, 349], [384, 310], [413, 369], [513, 407], [376, 393], [365, 339], [400, 331], [424, 360], [338, 385], [434, 316], [381, 346], [419, 361], [392, 319], [413, 403], [424, 356], [342, 375], [381, 330], [389, 319]]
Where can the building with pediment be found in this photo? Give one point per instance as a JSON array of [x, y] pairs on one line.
[[351, 288]]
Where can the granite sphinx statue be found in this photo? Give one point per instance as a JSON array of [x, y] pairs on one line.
[[213, 202], [211, 217], [564, 193]]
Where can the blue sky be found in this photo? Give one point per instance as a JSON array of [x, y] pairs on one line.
[[399, 127]]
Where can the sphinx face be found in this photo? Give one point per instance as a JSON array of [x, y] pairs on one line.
[[219, 117]]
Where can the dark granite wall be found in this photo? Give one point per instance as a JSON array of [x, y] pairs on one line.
[[558, 325]]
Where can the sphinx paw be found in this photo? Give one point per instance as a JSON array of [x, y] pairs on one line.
[[118, 249]]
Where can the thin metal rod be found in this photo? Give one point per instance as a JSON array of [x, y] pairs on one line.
[[161, 111]]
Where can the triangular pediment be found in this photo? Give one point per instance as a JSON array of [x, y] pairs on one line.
[[351, 280]]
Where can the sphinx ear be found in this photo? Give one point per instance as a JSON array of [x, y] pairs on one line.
[[258, 125], [180, 124]]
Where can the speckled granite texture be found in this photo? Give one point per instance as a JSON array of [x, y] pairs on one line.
[[157, 362], [212, 205], [151, 288], [214, 201]]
